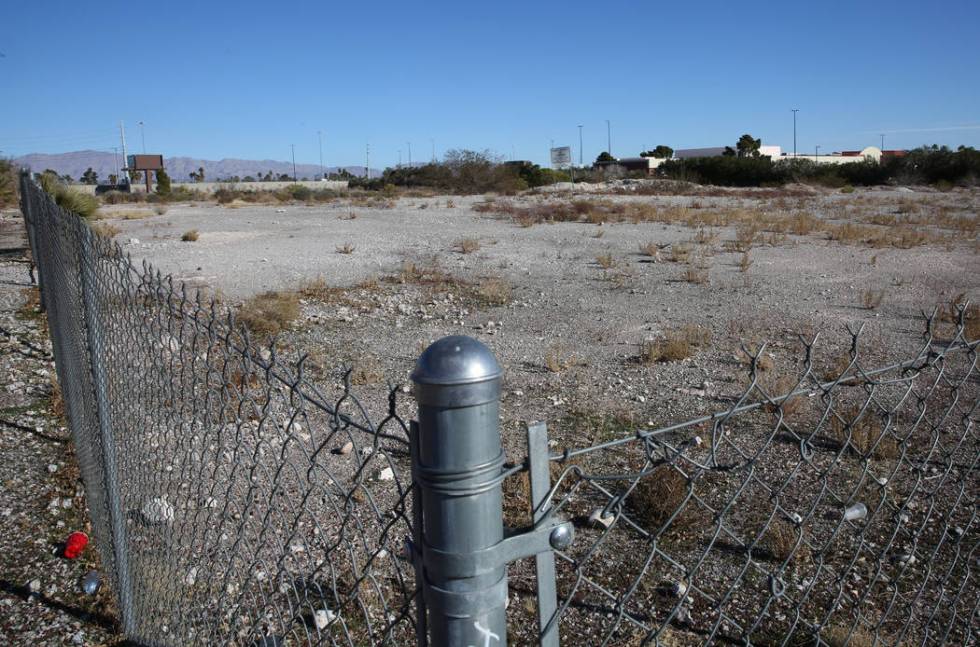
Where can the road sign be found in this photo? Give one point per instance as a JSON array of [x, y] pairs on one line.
[[561, 157]]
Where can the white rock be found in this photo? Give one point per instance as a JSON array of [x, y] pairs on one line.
[[34, 586], [387, 474], [134, 241], [52, 468], [598, 519], [346, 449], [191, 576], [323, 617], [157, 510]]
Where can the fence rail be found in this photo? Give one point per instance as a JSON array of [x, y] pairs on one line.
[[235, 500]]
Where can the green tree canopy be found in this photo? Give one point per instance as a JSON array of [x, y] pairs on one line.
[[89, 177], [748, 146], [604, 156], [660, 152], [163, 182]]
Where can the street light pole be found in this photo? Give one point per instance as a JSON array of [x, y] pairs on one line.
[[580, 144], [409, 154], [293, 147], [882, 142], [795, 110], [816, 153], [608, 137], [319, 141], [143, 137]]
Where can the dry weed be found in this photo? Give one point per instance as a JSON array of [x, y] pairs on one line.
[[269, 313], [190, 236], [861, 432]]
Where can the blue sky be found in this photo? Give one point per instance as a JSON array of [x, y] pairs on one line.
[[247, 79]]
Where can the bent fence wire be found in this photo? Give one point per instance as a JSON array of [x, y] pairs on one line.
[[841, 510]]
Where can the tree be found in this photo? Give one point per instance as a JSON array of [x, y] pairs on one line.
[[747, 146], [605, 157], [134, 175], [163, 182], [199, 175], [660, 152], [113, 178], [89, 177], [728, 152]]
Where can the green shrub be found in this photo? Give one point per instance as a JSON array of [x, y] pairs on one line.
[[163, 182]]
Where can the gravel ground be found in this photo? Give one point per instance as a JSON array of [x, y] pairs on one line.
[[41, 501], [569, 331]]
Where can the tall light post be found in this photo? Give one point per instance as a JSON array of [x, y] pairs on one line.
[[608, 137], [409, 154], [882, 142], [143, 137], [399, 158], [580, 144], [367, 161], [816, 153], [795, 110], [293, 148], [433, 142], [319, 141]]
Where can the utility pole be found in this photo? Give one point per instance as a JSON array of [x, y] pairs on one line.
[[143, 137], [115, 157], [816, 153], [319, 139], [399, 158], [122, 137], [795, 110], [580, 144], [433, 142], [367, 161], [409, 154], [293, 147], [608, 137], [882, 142]]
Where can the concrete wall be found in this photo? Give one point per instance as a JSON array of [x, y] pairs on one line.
[[211, 187]]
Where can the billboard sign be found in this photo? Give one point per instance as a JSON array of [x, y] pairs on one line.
[[144, 162], [561, 157]]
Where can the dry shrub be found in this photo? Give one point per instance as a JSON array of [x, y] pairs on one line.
[[871, 299], [778, 541], [696, 275], [557, 360], [779, 386], [680, 253], [744, 263], [346, 248], [605, 261], [159, 210], [658, 496], [468, 245], [676, 344], [269, 313], [106, 230], [836, 368], [56, 401], [367, 370], [862, 433], [190, 236], [802, 224], [651, 249], [493, 291]]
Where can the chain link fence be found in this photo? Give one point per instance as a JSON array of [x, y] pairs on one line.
[[235, 501]]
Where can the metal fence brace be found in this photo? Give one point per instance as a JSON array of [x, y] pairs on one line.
[[464, 549]]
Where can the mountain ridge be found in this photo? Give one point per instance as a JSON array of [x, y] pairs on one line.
[[75, 163]]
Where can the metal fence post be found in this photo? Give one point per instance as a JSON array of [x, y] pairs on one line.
[[95, 341], [457, 386]]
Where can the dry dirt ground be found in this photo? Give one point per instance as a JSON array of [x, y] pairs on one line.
[[569, 306], [618, 309]]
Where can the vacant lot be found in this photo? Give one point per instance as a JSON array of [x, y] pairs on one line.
[[631, 308]]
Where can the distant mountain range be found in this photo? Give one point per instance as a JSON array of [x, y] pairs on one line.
[[179, 168]]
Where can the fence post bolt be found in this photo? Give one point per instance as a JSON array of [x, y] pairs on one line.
[[460, 459]]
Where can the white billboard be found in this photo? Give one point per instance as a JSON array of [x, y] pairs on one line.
[[561, 157]]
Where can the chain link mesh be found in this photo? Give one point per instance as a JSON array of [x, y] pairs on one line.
[[840, 512], [222, 507], [840, 509]]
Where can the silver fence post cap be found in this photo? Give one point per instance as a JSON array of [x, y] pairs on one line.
[[456, 371]]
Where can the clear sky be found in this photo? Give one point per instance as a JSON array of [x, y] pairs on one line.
[[247, 79]]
